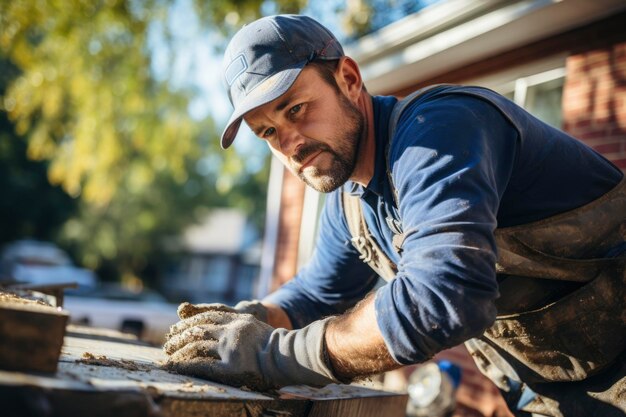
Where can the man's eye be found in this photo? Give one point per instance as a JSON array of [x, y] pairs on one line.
[[295, 109], [269, 132]]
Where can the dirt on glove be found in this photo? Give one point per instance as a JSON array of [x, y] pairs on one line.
[[186, 310], [188, 363]]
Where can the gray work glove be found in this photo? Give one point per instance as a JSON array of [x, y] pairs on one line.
[[237, 349], [254, 307]]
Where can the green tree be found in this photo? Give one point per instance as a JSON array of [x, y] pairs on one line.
[[85, 106], [85, 100], [29, 205]]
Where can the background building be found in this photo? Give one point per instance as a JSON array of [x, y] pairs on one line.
[[217, 260]]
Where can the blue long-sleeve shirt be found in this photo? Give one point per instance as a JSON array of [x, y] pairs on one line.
[[462, 165]]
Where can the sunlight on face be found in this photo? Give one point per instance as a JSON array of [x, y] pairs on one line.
[[335, 159], [313, 129]]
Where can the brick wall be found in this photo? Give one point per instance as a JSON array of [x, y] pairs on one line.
[[594, 100], [286, 257]]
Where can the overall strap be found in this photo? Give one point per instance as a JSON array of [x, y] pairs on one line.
[[398, 108], [369, 250]]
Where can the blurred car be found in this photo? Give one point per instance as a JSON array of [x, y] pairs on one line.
[[145, 313], [41, 263]]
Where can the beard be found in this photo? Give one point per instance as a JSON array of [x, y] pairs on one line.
[[342, 156]]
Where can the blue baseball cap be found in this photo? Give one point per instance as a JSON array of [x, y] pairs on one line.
[[264, 59]]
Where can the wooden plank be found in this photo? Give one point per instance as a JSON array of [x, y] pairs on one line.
[[348, 401], [393, 406], [133, 383], [31, 334], [276, 408]]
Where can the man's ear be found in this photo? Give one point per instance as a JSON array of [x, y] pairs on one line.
[[349, 78]]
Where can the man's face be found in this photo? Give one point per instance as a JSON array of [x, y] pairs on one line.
[[313, 129]]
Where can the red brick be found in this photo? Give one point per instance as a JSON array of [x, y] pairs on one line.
[[575, 62], [593, 57], [578, 84], [609, 148], [620, 116], [620, 49], [594, 134], [617, 131], [599, 69], [576, 97], [619, 73], [602, 141], [573, 116], [582, 123], [620, 163]]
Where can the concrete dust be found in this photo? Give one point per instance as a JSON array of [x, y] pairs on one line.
[[11, 298], [101, 360]]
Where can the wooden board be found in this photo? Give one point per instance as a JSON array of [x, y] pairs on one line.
[[348, 400], [135, 384], [31, 334]]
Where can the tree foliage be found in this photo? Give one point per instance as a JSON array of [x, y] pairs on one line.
[[83, 100], [86, 99], [229, 15], [29, 205], [84, 108]]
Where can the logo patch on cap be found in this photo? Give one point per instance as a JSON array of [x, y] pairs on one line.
[[235, 69]]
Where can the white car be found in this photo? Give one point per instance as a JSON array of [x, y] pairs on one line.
[[41, 263], [146, 313]]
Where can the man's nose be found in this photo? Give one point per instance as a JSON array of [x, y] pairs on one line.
[[289, 139]]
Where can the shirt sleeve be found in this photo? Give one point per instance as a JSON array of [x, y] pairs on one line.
[[334, 279], [451, 159]]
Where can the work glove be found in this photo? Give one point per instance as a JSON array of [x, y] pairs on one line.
[[237, 349], [254, 307]]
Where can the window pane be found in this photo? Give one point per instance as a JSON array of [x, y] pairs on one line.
[[544, 101]]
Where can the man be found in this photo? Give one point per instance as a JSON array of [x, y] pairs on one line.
[[490, 226]]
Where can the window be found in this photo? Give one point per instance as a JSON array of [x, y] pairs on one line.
[[536, 86], [540, 94]]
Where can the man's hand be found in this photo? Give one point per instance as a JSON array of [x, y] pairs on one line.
[[254, 307], [237, 349]]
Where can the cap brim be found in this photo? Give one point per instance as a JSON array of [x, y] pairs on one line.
[[270, 89]]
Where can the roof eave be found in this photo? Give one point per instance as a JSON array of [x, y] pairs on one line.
[[449, 35]]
